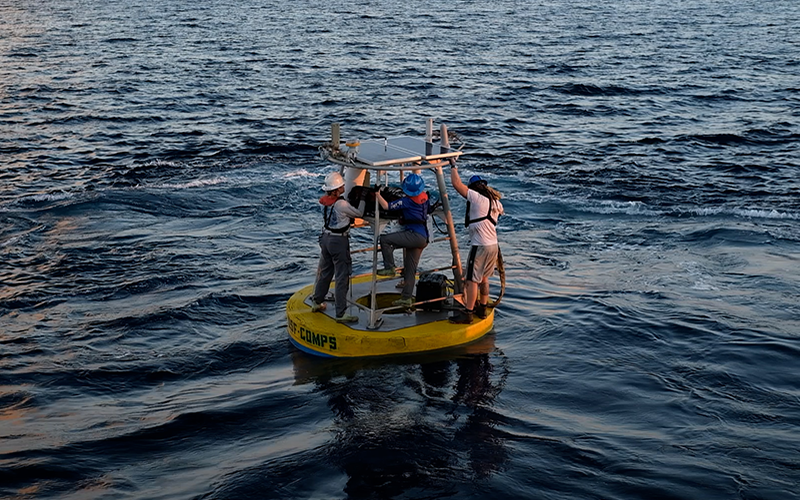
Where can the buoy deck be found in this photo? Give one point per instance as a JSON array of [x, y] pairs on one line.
[[399, 331]]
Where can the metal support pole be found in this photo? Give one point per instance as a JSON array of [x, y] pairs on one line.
[[429, 130], [335, 136], [458, 271], [373, 303], [451, 231], [429, 136]]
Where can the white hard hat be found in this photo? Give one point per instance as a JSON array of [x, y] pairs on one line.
[[333, 180]]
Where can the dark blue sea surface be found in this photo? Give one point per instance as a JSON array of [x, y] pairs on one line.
[[159, 176]]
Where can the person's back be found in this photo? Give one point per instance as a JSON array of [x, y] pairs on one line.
[[482, 218]]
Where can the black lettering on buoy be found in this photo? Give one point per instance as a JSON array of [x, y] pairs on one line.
[[319, 340]]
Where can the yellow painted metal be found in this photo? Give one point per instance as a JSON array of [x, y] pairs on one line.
[[322, 335]]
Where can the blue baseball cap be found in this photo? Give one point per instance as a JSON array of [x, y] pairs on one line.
[[475, 178]]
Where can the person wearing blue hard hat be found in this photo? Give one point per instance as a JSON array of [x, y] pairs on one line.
[[412, 239], [483, 210]]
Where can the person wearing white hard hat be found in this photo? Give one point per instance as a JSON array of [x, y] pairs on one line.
[[412, 239], [334, 243], [483, 210]]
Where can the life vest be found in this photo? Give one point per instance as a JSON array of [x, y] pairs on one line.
[[327, 214], [488, 216], [424, 221]]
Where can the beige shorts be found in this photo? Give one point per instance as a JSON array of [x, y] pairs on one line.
[[481, 262]]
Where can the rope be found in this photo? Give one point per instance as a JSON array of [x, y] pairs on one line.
[[501, 270], [436, 225], [452, 136]]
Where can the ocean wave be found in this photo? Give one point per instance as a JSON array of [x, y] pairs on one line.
[[256, 148], [580, 89], [158, 162], [749, 213], [777, 135], [603, 207], [624, 207], [640, 208], [11, 240], [303, 174], [192, 184], [46, 197]]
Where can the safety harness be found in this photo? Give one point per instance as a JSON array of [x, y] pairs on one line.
[[327, 214], [488, 216]]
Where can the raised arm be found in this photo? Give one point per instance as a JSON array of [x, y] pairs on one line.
[[349, 210], [384, 204], [455, 179]]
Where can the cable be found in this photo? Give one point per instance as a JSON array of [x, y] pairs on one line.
[[501, 270]]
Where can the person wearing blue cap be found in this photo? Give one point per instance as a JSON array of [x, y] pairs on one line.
[[483, 210], [412, 239]]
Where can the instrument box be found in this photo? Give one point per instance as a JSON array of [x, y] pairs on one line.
[[431, 286]]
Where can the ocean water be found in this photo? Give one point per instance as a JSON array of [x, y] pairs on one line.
[[159, 176]]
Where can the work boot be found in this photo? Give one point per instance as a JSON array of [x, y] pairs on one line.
[[389, 271], [481, 311], [346, 318], [318, 307], [462, 318]]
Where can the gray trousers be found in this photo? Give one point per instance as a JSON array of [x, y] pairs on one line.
[[412, 244], [334, 260]]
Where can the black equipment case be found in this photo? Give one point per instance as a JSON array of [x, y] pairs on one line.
[[431, 286]]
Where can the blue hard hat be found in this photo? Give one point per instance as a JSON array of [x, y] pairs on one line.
[[413, 185], [474, 179]]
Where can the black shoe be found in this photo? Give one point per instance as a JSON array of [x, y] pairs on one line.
[[481, 311], [462, 318]]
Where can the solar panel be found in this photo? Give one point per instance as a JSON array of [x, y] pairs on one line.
[[399, 150], [380, 153]]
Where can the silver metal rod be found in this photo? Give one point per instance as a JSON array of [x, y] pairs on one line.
[[429, 130], [335, 136], [451, 231], [373, 315], [369, 249], [438, 299]]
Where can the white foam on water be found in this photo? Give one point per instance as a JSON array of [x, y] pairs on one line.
[[765, 214], [193, 184], [44, 197], [303, 174], [749, 213], [10, 241]]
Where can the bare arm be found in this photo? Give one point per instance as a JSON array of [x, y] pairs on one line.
[[455, 179], [384, 204]]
